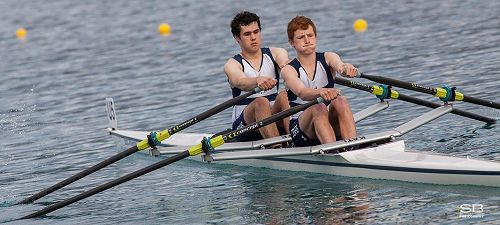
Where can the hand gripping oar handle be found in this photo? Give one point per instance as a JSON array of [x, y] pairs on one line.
[[195, 150], [140, 146], [376, 90], [439, 92]]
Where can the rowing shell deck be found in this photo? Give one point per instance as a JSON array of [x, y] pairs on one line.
[[390, 160]]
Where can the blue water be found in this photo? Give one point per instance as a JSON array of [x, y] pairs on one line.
[[53, 117]]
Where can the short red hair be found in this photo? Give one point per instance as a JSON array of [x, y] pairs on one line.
[[299, 23]]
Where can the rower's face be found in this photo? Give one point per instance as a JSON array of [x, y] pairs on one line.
[[249, 38], [304, 41]]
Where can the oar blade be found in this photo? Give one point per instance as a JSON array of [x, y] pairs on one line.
[[108, 185], [79, 175]]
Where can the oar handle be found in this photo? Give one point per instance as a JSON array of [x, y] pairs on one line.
[[440, 92]]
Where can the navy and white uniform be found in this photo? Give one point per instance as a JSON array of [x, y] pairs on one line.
[[268, 67], [322, 78]]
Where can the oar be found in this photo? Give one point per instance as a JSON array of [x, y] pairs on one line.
[[389, 93], [205, 146], [141, 146], [443, 93]]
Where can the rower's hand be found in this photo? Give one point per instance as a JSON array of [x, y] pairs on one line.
[[348, 70], [266, 83], [329, 94]]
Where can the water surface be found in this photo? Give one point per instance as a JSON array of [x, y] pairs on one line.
[[53, 118]]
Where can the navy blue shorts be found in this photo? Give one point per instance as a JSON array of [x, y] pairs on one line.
[[250, 136], [299, 138]]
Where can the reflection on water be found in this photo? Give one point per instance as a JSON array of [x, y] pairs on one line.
[[352, 208], [282, 197], [288, 199]]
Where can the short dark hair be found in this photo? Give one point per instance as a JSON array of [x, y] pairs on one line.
[[243, 19]]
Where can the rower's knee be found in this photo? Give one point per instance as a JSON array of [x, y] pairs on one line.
[[341, 103], [282, 101], [261, 103], [282, 96], [319, 110]]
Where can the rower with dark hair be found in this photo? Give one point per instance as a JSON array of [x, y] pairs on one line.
[[256, 66]]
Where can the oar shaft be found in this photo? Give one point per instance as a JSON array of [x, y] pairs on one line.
[[194, 150], [278, 116], [434, 105], [80, 175], [224, 138], [367, 88], [134, 149], [211, 112], [482, 102], [427, 90], [401, 84], [108, 185]]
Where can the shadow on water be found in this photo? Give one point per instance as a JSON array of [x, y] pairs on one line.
[[473, 133]]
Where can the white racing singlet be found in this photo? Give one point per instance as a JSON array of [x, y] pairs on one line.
[[322, 78], [269, 68]]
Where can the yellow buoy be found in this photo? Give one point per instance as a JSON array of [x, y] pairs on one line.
[[21, 33], [360, 25], [164, 29]]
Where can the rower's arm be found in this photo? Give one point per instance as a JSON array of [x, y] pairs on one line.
[[237, 78], [345, 69], [280, 56], [293, 83]]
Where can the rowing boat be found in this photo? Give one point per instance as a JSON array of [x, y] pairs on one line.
[[376, 156]]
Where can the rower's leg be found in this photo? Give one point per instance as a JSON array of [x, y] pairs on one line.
[[258, 110], [314, 123], [333, 119], [341, 118], [281, 104]]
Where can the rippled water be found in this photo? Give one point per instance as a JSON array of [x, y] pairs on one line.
[[52, 114]]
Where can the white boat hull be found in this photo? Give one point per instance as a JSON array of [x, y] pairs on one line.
[[389, 161]]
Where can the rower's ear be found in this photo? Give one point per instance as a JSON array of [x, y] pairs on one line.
[[237, 38]]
